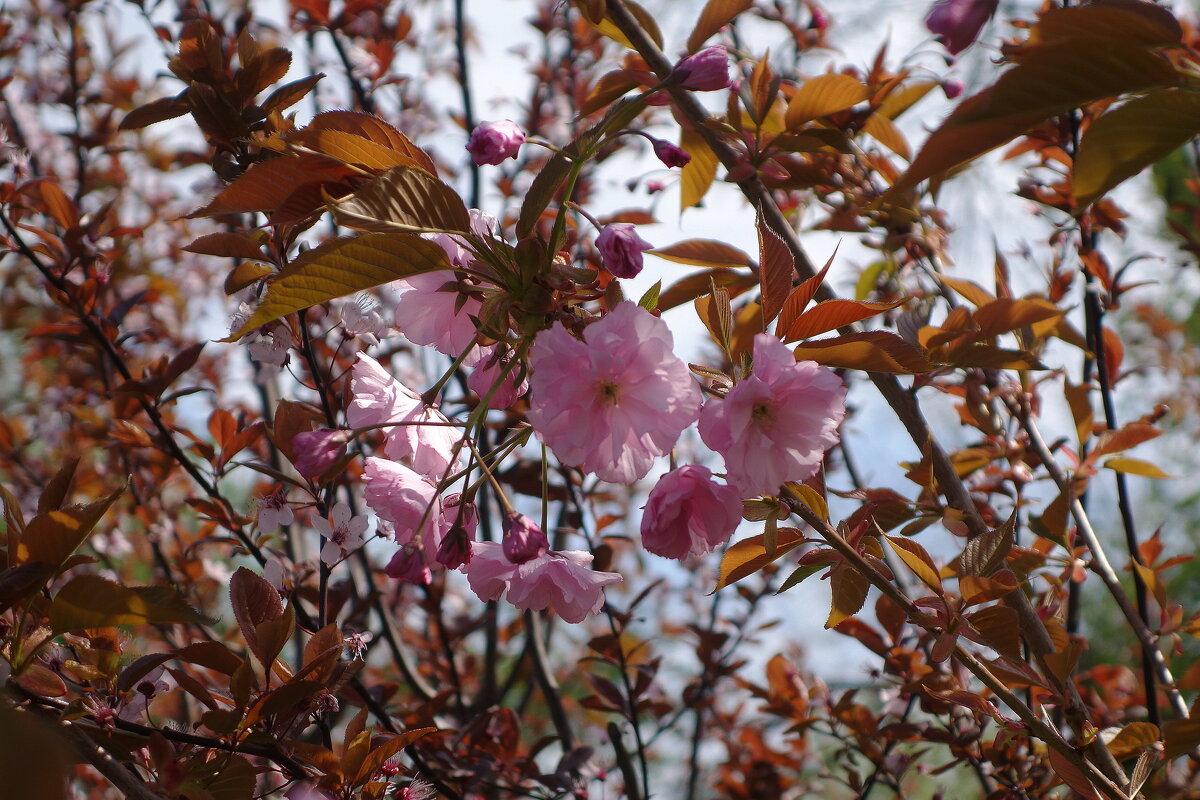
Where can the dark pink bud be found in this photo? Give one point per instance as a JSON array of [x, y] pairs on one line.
[[523, 540], [952, 87], [317, 451], [819, 20], [670, 154], [705, 71], [408, 565], [621, 249], [455, 549], [492, 142], [958, 22], [655, 186]]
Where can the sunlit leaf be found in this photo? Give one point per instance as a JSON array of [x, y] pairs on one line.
[[89, 601], [832, 314], [1128, 139], [340, 267], [403, 198], [373, 129], [849, 593], [698, 174], [917, 559], [822, 96], [1132, 738], [777, 268], [750, 555], [884, 131], [871, 351], [268, 184], [1048, 81], [716, 15], [1071, 774], [1136, 466], [50, 538], [704, 253]]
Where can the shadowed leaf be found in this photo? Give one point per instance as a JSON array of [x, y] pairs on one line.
[[872, 351], [716, 15], [90, 601], [403, 198]]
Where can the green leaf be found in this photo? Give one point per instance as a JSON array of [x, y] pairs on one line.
[[1048, 81], [90, 601], [649, 300], [1128, 139], [403, 198], [340, 267]]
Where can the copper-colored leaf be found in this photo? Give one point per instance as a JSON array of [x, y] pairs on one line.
[[268, 184], [716, 15], [1132, 738], [1004, 315], [872, 351], [610, 86], [1135, 466], [1180, 736], [160, 110], [89, 601], [403, 198], [849, 593], [700, 283], [373, 129], [1129, 435], [884, 131], [999, 627], [50, 538], [917, 559], [229, 245], [832, 314], [1071, 775], [254, 602], [777, 268], [1124, 20], [704, 253], [822, 96], [750, 555], [290, 93], [802, 295], [972, 292], [349, 148]]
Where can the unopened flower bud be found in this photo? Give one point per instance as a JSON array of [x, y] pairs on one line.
[[408, 565], [957, 22], [493, 142], [952, 88], [621, 249], [523, 540], [317, 451], [705, 71], [670, 154]]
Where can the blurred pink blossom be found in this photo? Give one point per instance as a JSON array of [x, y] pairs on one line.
[[704, 71], [431, 311], [688, 513], [615, 401], [493, 142], [958, 22], [775, 424]]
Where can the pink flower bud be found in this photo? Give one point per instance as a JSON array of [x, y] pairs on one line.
[[819, 20], [655, 186], [409, 565], [958, 22], [523, 540], [705, 71], [953, 88], [669, 154], [621, 249], [493, 142], [317, 451]]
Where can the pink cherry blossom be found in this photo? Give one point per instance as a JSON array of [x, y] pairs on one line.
[[273, 511], [483, 379], [404, 498], [562, 581], [431, 311], [344, 533], [421, 436], [775, 425], [688, 513], [615, 401]]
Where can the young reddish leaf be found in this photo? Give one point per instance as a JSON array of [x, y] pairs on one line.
[[610, 86], [984, 554], [1180, 736], [985, 356], [802, 295], [1047, 82], [750, 555], [832, 314], [289, 94], [340, 267], [849, 593], [254, 602], [1079, 399], [211, 655], [871, 351], [41, 681], [811, 498], [700, 283], [776, 269], [58, 489], [221, 425], [1071, 775], [263, 69], [822, 96], [1114, 354], [999, 628], [58, 205], [89, 601], [1135, 466], [230, 245], [1128, 435], [1005, 315], [698, 174], [917, 559], [403, 198], [160, 110], [1128, 139], [384, 749], [747, 323], [704, 253], [267, 184], [716, 15]]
